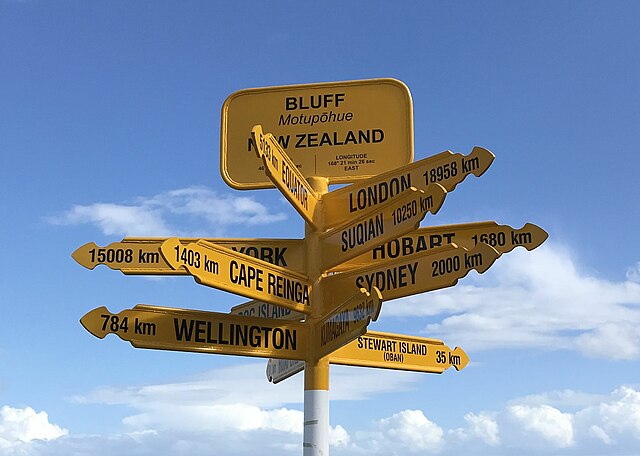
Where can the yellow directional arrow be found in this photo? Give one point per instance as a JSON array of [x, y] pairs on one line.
[[382, 223], [165, 328], [223, 268], [284, 173], [347, 322], [417, 273], [385, 351], [142, 255], [446, 168], [398, 351], [501, 237]]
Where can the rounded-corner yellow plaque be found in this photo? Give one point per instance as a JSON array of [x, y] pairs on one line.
[[344, 131]]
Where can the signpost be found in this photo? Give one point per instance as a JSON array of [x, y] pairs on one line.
[[344, 131], [142, 255], [284, 173], [231, 271], [312, 299], [165, 328], [384, 223], [347, 322], [413, 274], [255, 308], [384, 351], [446, 169], [503, 238]]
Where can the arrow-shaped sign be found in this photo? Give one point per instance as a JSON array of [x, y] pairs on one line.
[[165, 328], [501, 237], [446, 168], [225, 269], [284, 173], [413, 274], [347, 322], [142, 255], [380, 224], [402, 352], [385, 351], [255, 308]]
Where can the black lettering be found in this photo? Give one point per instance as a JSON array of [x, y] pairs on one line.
[[182, 330]]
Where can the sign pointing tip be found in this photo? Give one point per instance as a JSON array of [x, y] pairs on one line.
[[81, 255], [460, 356], [538, 235], [487, 253], [92, 321], [376, 296], [485, 157], [167, 250], [439, 193]]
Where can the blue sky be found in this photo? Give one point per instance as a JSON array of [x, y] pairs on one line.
[[110, 126]]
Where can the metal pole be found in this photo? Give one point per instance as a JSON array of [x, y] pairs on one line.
[[316, 372]]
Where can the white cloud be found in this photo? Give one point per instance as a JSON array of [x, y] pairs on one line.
[[536, 299], [410, 430], [614, 419], [338, 436], [598, 425], [484, 427], [206, 211], [545, 421], [22, 425], [116, 219]]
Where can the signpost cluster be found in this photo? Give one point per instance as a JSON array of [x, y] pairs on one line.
[[312, 299]]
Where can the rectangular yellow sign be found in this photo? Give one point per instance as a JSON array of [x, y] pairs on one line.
[[503, 238], [286, 176], [142, 255], [447, 169], [382, 224], [225, 269], [165, 328], [345, 131], [417, 273]]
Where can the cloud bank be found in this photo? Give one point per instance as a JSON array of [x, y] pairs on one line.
[[21, 426], [554, 423]]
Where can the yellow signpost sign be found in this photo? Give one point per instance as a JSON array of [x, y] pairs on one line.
[[347, 322], [165, 328], [231, 271], [446, 169], [384, 223], [260, 309], [385, 351], [343, 131], [413, 274], [398, 351], [284, 173], [503, 238], [142, 255]]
